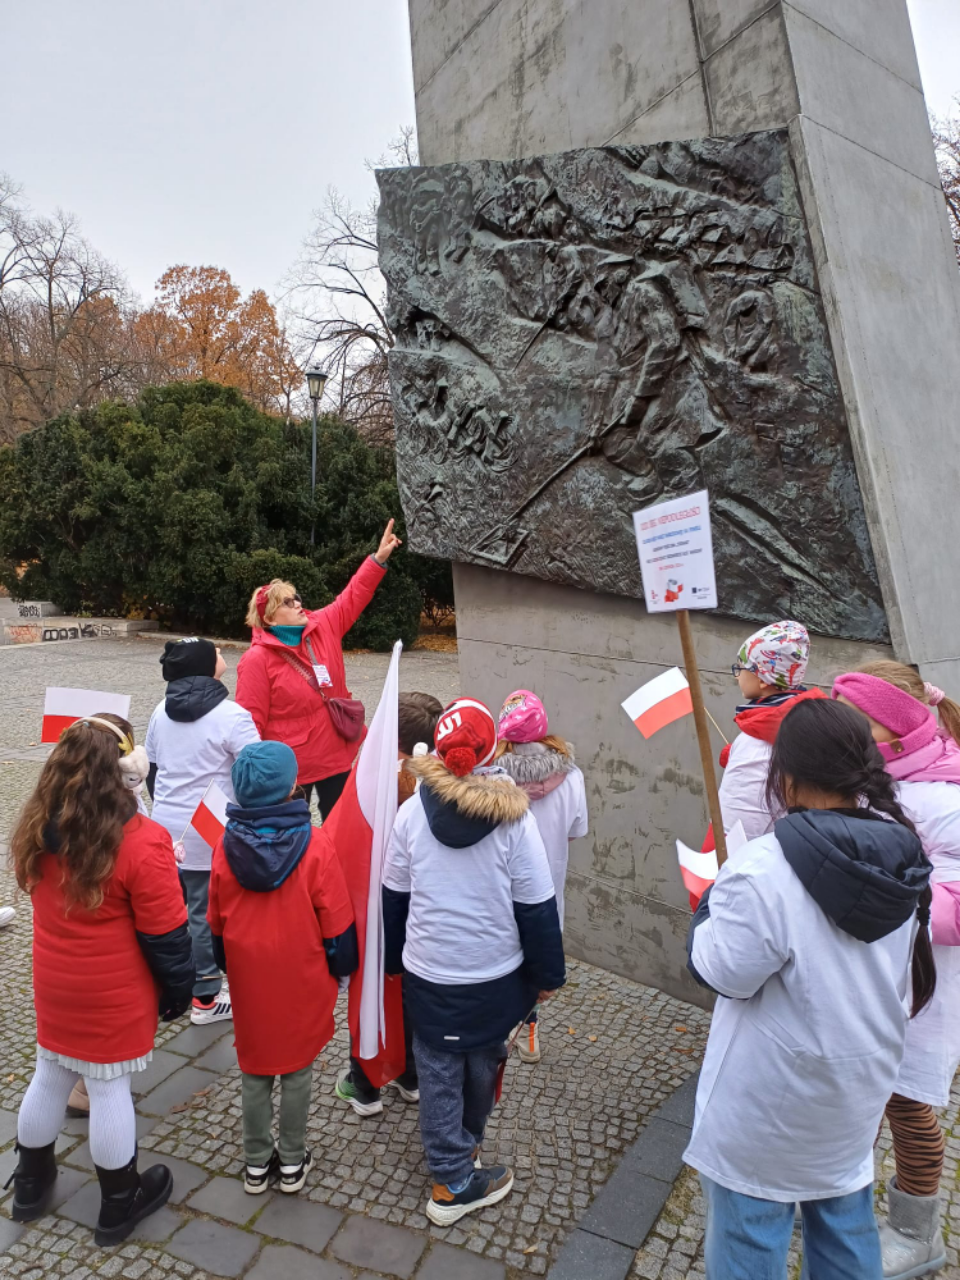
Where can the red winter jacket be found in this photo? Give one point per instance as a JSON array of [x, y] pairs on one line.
[[95, 996], [284, 706], [280, 983]]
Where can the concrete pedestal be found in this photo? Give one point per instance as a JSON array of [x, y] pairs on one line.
[[502, 79]]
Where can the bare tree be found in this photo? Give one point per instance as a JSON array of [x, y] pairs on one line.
[[64, 314], [946, 138], [337, 296]]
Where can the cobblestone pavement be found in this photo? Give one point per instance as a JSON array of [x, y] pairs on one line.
[[613, 1052]]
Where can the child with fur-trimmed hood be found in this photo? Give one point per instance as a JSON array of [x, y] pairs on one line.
[[543, 766], [470, 918]]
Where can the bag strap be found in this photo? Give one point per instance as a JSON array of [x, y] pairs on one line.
[[299, 667]]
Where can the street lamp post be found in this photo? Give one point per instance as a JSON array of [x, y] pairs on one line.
[[316, 380]]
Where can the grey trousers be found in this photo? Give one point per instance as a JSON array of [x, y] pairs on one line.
[[295, 1092], [456, 1098], [196, 886]]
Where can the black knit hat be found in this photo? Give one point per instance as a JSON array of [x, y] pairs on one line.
[[189, 657]]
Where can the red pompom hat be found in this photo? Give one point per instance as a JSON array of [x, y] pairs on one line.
[[466, 736]]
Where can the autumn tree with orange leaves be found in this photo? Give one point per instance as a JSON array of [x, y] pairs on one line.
[[200, 326]]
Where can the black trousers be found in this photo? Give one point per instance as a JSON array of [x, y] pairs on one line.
[[328, 792]]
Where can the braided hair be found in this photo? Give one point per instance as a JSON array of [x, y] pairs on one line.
[[828, 747]]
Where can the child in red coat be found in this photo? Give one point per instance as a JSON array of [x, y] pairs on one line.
[[283, 931], [110, 944]]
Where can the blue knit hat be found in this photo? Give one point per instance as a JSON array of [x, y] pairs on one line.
[[264, 773]]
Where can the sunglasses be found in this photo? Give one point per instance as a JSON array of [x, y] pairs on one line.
[[292, 602]]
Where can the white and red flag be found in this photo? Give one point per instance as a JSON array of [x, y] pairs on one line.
[[659, 702], [360, 825], [210, 816], [64, 707], [699, 870]]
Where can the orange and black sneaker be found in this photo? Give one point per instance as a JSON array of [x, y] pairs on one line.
[[486, 1186], [528, 1042]]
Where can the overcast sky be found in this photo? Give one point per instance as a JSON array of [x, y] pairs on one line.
[[205, 131]]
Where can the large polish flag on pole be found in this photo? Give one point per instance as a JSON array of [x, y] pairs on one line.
[[659, 702], [360, 826], [64, 707], [210, 817]]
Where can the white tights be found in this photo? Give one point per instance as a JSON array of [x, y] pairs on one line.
[[113, 1124]]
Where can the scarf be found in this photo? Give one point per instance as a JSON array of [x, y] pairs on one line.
[[288, 635]]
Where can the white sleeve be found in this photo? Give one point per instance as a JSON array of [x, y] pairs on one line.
[[578, 822], [743, 942], [530, 878], [150, 742], [242, 731], [396, 866], [743, 791]]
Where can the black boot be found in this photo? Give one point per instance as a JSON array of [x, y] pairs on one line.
[[33, 1181], [126, 1198]]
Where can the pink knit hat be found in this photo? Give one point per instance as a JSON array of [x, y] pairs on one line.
[[912, 721], [523, 718]]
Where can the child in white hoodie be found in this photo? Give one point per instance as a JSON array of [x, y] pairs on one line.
[[542, 765]]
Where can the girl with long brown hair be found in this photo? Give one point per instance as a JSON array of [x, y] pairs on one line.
[[110, 946], [922, 757]]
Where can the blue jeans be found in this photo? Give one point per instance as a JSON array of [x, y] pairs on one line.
[[748, 1239], [196, 886]]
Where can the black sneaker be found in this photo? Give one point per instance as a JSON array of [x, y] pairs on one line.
[[293, 1176], [487, 1186], [257, 1178]]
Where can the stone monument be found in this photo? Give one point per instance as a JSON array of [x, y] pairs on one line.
[[660, 245]]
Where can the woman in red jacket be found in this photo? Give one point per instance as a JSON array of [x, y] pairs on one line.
[[110, 943], [295, 665]]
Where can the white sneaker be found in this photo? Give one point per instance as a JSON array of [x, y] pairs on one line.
[[528, 1042], [7, 916], [408, 1095], [293, 1176], [218, 1010]]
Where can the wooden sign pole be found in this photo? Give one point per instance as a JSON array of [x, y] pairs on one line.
[[703, 733]]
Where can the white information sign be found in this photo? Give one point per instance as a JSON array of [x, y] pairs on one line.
[[676, 554]]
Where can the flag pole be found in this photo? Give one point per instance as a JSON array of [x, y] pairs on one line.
[[700, 714]]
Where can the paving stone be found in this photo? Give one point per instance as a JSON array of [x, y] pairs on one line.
[[192, 1041], [158, 1227], [10, 1233], [225, 1251], [446, 1263], [8, 1127], [658, 1152], [587, 1257], [162, 1064], [284, 1262], [177, 1088], [299, 1222], [220, 1057], [367, 1243], [226, 1198], [679, 1107], [626, 1207]]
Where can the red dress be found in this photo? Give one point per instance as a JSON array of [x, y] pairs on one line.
[[95, 996], [284, 706], [282, 990]]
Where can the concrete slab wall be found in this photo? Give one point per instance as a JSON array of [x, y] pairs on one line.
[[583, 653]]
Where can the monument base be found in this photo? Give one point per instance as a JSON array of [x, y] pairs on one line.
[[583, 653]]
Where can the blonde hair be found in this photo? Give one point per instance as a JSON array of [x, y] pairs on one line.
[[277, 591], [551, 742], [909, 681]]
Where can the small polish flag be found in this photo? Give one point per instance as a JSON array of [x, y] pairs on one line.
[[699, 870], [210, 819], [64, 707], [659, 702]]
